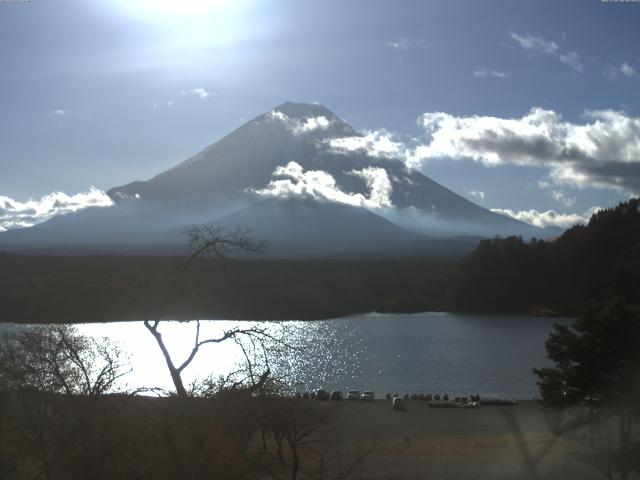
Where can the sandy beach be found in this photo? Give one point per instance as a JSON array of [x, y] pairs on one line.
[[486, 443]]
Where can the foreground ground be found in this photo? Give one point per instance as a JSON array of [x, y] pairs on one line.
[[487, 443], [234, 436]]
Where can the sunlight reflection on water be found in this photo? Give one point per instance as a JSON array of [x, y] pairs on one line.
[[321, 351], [427, 352]]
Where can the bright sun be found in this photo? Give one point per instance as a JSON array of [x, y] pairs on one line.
[[192, 22], [179, 7], [168, 11]]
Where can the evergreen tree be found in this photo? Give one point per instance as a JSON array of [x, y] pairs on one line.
[[597, 359]]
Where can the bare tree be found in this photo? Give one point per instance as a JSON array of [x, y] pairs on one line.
[[206, 241], [614, 463], [296, 422], [57, 359], [49, 375], [209, 241], [339, 459]]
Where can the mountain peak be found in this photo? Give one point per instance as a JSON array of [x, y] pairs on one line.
[[302, 111]]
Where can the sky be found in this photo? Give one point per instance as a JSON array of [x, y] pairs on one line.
[[522, 107]]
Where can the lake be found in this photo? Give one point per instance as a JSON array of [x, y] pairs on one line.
[[458, 354]]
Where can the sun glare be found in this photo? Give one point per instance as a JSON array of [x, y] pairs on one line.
[[179, 7], [192, 23], [176, 11]]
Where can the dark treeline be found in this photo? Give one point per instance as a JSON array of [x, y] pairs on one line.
[[501, 275], [68, 289], [511, 275]]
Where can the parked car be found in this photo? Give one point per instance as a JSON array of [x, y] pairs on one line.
[[398, 404], [368, 395], [353, 395], [336, 395], [322, 394]]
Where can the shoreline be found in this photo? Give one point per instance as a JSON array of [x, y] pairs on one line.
[[372, 313]]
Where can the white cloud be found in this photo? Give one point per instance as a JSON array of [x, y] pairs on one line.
[[60, 112], [299, 126], [539, 45], [379, 186], [15, 214], [603, 152], [321, 186], [405, 43], [169, 103], [198, 92], [624, 69], [378, 143], [311, 123], [278, 115], [550, 218], [477, 193], [563, 198], [484, 72], [627, 70]]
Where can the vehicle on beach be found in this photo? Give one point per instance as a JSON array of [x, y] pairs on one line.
[[368, 396], [322, 394], [353, 395], [336, 395]]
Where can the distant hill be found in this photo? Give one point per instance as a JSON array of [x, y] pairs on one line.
[[299, 227], [292, 226], [560, 276]]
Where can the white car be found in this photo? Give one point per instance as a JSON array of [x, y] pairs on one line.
[[368, 395], [353, 395]]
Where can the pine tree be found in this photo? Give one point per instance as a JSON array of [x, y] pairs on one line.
[[597, 358]]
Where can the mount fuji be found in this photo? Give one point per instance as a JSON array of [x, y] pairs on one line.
[[287, 176]]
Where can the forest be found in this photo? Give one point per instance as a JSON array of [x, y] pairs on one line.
[[502, 275], [549, 277], [72, 289]]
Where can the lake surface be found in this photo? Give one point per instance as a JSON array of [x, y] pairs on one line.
[[458, 354]]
